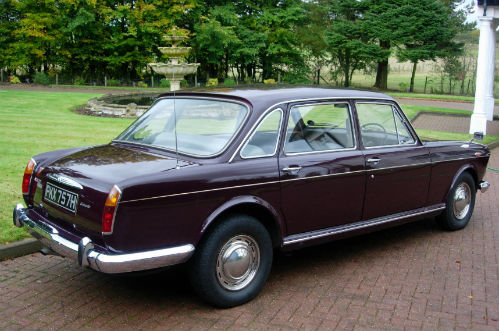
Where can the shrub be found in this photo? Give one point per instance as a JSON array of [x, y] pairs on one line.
[[229, 82], [248, 80], [141, 84], [113, 82], [269, 81], [403, 86], [41, 78], [164, 82], [184, 83], [79, 81], [14, 79], [212, 82]]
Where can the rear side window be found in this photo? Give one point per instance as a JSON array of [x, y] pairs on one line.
[[321, 127], [381, 125], [263, 141]]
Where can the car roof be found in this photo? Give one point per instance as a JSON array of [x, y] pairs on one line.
[[265, 97]]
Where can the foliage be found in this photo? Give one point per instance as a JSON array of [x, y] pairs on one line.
[[184, 83], [347, 39], [248, 40], [113, 82], [229, 82], [41, 78], [164, 82], [403, 86], [79, 81], [212, 82], [269, 81], [141, 84], [14, 79]]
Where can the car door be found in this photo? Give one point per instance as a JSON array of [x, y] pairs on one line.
[[321, 168], [397, 164]]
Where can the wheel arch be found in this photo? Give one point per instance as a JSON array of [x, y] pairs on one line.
[[470, 168], [254, 206]]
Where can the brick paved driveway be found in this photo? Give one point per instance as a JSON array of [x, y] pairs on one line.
[[410, 277]]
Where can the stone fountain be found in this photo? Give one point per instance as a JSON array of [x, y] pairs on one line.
[[177, 67]]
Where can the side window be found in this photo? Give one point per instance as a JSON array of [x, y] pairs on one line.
[[319, 127], [381, 125], [263, 141]]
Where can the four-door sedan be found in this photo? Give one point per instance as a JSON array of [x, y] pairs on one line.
[[220, 179]]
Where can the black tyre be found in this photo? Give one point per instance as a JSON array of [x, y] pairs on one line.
[[232, 264], [460, 204]]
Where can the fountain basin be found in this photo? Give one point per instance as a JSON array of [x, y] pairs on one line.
[[129, 105], [178, 70], [175, 51]]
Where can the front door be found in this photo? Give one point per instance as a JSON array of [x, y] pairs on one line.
[[397, 165], [321, 168]]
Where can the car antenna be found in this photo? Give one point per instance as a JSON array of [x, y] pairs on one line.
[[175, 127]]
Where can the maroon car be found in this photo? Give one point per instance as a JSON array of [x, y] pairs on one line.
[[220, 179]]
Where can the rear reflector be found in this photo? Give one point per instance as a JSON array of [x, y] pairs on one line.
[[27, 175], [110, 210]]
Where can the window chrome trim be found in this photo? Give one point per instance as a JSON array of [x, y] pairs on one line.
[[226, 146], [354, 136], [306, 236], [254, 130], [411, 132], [388, 99]]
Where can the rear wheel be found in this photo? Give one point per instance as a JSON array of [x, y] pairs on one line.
[[460, 204], [232, 263]]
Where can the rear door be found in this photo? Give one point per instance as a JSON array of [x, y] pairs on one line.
[[321, 168], [397, 164]]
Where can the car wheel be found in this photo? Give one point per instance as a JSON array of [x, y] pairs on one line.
[[460, 204], [232, 264]]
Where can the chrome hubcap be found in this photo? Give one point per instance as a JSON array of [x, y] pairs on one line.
[[462, 201], [237, 262]]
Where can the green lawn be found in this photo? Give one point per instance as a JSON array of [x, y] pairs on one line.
[[36, 122]]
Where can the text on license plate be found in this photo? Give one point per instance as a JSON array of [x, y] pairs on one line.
[[61, 197]]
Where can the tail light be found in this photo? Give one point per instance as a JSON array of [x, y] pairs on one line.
[[113, 198], [28, 172]]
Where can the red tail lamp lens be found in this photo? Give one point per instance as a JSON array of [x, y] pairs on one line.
[[110, 210], [27, 175]]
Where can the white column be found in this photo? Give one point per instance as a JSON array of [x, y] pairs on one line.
[[484, 98]]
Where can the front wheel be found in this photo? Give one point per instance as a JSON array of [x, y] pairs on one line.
[[232, 263], [460, 204]]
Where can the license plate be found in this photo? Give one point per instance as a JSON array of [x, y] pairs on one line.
[[61, 197]]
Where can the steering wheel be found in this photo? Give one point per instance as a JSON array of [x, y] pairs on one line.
[[383, 130]]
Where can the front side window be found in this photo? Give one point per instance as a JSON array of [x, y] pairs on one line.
[[198, 127], [263, 142], [321, 127], [381, 125]]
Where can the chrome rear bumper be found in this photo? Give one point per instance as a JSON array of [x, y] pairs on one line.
[[484, 186], [88, 256]]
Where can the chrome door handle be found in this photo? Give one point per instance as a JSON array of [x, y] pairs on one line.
[[291, 170], [374, 160]]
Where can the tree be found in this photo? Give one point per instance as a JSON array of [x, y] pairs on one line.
[[427, 34], [346, 39]]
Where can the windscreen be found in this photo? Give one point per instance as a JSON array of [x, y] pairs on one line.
[[196, 126]]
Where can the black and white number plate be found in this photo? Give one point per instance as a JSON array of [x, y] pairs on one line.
[[61, 197]]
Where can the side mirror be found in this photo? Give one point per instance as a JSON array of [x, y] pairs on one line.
[[478, 136]]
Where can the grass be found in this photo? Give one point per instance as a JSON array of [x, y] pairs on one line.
[[432, 96], [439, 135], [35, 122]]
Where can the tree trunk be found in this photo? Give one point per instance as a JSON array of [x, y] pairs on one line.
[[414, 66], [318, 75], [382, 70]]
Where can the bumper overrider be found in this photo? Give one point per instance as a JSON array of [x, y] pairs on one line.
[[88, 255]]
